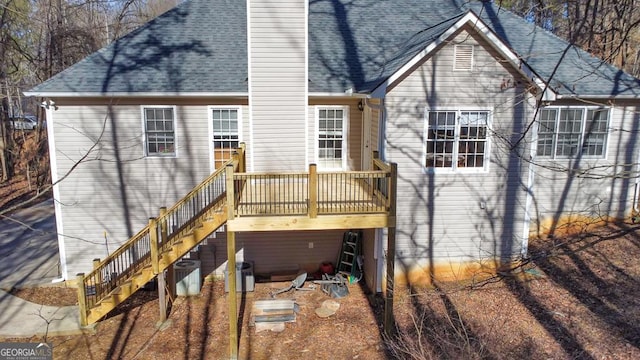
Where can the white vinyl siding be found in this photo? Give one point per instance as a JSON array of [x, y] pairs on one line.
[[570, 131], [159, 131], [274, 251], [102, 200], [468, 214], [592, 180], [278, 84]]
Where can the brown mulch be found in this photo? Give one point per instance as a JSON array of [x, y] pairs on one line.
[[50, 296]]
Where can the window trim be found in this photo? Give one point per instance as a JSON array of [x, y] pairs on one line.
[[580, 153], [454, 169], [210, 109], [145, 145], [345, 134]]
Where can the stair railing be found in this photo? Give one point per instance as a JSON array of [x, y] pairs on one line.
[[135, 254]]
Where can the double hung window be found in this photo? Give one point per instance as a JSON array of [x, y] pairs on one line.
[[567, 132], [159, 131], [457, 139], [226, 135], [331, 137]]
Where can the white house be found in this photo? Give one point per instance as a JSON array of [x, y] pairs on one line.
[[491, 142]]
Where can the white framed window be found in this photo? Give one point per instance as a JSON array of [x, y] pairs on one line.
[[159, 131], [565, 132], [463, 57], [457, 140], [332, 135], [225, 124]]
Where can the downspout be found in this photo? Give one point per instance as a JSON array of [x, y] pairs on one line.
[[530, 183], [49, 107], [636, 190]]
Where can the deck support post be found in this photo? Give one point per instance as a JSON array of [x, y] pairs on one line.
[[391, 253], [82, 299], [313, 191], [164, 235], [231, 267], [162, 297], [155, 265], [153, 244]]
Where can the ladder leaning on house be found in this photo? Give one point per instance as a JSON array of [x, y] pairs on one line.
[[349, 253]]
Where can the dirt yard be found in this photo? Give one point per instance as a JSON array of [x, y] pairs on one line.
[[577, 298]]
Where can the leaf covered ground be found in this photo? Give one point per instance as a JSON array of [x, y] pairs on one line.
[[577, 297]]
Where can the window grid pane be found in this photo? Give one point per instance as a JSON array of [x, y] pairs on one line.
[[567, 132], [330, 138], [595, 137], [440, 140], [225, 134], [473, 135], [456, 139], [160, 135]]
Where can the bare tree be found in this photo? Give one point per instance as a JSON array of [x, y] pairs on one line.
[[611, 28]]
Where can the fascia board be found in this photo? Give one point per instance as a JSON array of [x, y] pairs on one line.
[[338, 95], [136, 94]]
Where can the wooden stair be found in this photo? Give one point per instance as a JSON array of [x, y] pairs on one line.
[[165, 240], [174, 253]]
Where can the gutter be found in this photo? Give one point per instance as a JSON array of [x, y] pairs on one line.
[[526, 228], [134, 94], [50, 107], [597, 97]]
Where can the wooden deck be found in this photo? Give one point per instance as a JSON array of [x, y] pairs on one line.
[[243, 202], [310, 200]]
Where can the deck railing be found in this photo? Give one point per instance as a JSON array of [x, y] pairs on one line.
[[351, 192], [271, 194], [160, 234], [254, 194], [312, 193]]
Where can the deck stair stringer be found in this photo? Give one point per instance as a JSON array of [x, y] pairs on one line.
[[201, 229]]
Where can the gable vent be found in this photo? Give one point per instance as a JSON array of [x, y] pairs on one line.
[[463, 57]]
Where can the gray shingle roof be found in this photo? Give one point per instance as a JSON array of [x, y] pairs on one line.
[[579, 73], [201, 47]]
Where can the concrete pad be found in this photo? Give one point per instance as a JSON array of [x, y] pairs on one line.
[[21, 318]]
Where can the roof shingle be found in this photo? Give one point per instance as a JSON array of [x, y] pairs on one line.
[[201, 47]]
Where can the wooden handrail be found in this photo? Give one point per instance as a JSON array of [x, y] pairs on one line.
[[312, 193], [379, 164], [143, 248]]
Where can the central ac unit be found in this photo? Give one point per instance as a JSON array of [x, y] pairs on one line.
[[187, 276]]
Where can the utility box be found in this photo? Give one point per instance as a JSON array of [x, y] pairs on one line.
[[244, 277], [187, 276]]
